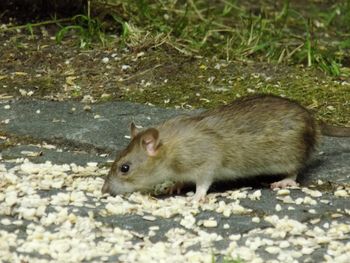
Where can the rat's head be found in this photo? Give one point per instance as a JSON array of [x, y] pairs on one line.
[[139, 166]]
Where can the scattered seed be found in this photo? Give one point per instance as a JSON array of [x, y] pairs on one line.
[[273, 250], [149, 218], [256, 219], [278, 207], [210, 223], [283, 192], [341, 193]]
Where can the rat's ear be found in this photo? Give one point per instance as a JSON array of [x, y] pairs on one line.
[[150, 141], [133, 130]]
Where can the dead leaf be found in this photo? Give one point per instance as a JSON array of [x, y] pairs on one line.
[[70, 80], [5, 97], [19, 73]]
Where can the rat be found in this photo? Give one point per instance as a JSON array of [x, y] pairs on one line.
[[252, 136]]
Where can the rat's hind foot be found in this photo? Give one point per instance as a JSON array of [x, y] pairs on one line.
[[201, 191], [198, 198], [286, 182]]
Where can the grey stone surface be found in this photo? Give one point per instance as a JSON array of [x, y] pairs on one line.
[[52, 155], [331, 162], [102, 127]]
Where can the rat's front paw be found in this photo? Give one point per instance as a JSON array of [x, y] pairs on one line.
[[287, 182], [175, 188]]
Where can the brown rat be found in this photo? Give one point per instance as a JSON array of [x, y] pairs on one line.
[[252, 136]]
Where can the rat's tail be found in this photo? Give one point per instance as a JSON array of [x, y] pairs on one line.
[[334, 131]]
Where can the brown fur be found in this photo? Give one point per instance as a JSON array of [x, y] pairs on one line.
[[256, 135]]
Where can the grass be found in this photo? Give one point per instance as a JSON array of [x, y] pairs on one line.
[[239, 30], [315, 34], [88, 30]]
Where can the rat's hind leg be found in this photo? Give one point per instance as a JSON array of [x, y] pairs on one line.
[[202, 187], [286, 182]]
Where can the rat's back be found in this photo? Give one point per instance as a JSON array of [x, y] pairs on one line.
[[264, 132]]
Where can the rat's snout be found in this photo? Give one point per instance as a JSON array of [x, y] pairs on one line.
[[115, 186]]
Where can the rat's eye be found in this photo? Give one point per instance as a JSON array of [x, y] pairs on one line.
[[124, 168]]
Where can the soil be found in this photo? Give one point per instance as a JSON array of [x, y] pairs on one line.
[[36, 65]]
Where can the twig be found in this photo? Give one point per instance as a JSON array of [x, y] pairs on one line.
[[35, 24], [143, 72], [197, 11], [290, 54], [88, 9], [209, 33]]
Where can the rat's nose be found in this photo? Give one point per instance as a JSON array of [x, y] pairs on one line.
[[105, 188]]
